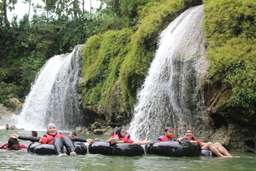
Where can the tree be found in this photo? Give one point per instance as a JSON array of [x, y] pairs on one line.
[[5, 6], [4, 13], [29, 7], [76, 9]]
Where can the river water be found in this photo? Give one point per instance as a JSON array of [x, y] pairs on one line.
[[21, 160]]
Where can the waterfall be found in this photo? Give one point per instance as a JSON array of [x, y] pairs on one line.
[[53, 96], [170, 95]]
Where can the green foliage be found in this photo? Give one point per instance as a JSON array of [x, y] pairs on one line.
[[8, 90], [103, 55], [230, 31], [126, 10]]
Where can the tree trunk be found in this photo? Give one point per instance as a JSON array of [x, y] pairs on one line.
[[5, 18], [29, 8], [83, 6], [116, 7]]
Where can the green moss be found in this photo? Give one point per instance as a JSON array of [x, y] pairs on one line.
[[103, 55], [153, 17], [230, 31], [116, 62]]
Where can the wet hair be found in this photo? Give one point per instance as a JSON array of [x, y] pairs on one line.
[[118, 132], [74, 133], [13, 144], [167, 129], [190, 130], [51, 125], [34, 133]]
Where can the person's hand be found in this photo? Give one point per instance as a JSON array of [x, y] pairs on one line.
[[194, 142], [90, 141], [113, 140], [145, 141]]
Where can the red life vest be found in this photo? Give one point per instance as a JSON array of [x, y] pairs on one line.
[[49, 138], [164, 138], [126, 139], [4, 146], [114, 136], [18, 146]]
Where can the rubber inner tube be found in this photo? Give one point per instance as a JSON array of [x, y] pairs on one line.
[[119, 149], [173, 148]]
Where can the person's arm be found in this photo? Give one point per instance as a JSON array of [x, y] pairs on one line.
[[23, 146], [43, 140], [197, 141], [194, 142], [4, 146], [79, 139], [32, 139], [180, 139], [127, 140], [141, 142]]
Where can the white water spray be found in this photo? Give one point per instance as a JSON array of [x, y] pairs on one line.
[[53, 96], [170, 94]]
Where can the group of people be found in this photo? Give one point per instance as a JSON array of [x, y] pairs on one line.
[[52, 136], [120, 135]]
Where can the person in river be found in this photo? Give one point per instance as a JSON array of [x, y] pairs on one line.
[[59, 140], [122, 136], [13, 144], [75, 138], [217, 148], [7, 127], [168, 135]]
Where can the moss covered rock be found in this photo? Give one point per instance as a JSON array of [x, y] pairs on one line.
[[103, 56], [230, 31]]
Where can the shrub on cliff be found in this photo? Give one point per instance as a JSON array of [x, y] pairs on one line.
[[231, 35]]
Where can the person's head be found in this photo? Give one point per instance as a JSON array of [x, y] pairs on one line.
[[189, 133], [34, 133], [73, 134], [51, 128], [168, 132], [13, 143], [121, 132], [7, 127]]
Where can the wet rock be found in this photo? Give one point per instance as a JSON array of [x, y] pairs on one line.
[[6, 116], [4, 111], [99, 131], [14, 104], [109, 131], [81, 130], [96, 125], [222, 135]]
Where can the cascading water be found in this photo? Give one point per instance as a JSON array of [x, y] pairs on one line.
[[170, 95], [53, 97]]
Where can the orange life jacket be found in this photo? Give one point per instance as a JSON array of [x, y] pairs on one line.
[[164, 138], [49, 138]]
